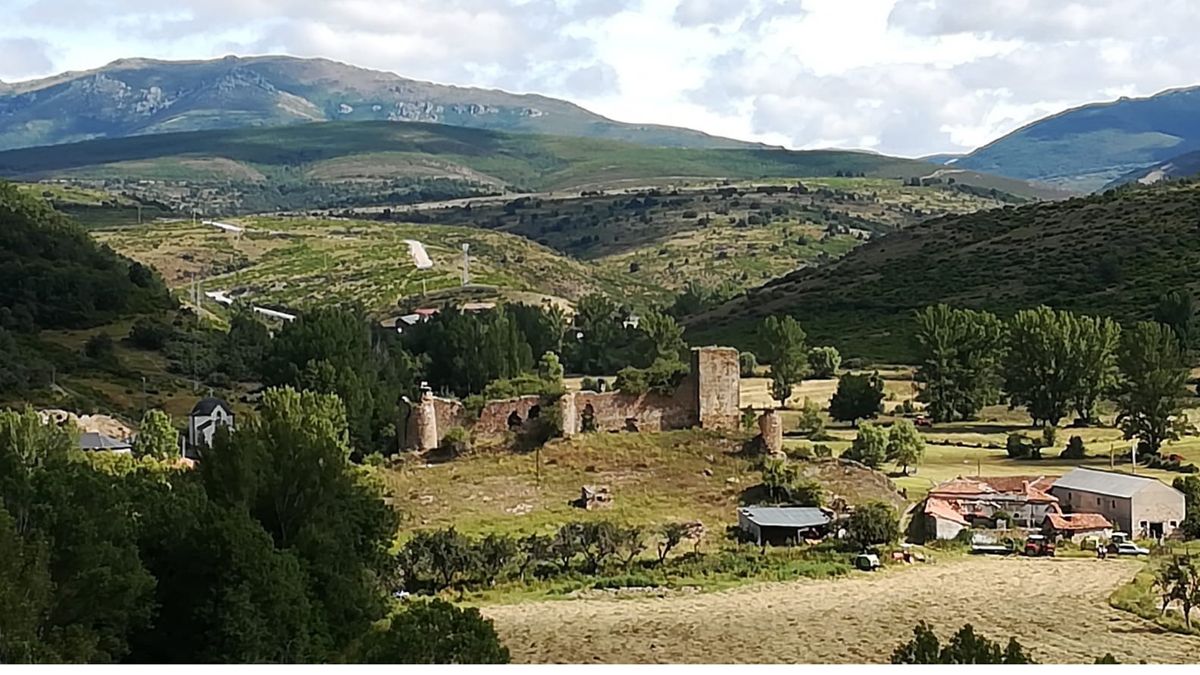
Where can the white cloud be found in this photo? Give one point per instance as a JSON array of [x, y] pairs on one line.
[[23, 57], [898, 76]]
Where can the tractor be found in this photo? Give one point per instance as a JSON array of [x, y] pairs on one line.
[[1039, 545]]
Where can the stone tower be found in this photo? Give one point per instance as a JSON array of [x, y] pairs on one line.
[[716, 376]]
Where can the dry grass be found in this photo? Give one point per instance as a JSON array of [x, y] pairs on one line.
[[1057, 608]]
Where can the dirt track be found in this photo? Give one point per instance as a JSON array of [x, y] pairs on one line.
[[1058, 609]]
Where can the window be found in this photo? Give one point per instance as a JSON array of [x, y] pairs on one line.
[[1173, 524], [1098, 501], [1143, 524], [1114, 504]]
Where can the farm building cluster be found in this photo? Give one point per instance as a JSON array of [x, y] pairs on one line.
[[1085, 503]]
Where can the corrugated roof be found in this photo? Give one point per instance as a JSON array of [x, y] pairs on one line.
[[1108, 483], [786, 516], [94, 440]]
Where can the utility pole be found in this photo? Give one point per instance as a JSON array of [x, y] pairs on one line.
[[466, 272]]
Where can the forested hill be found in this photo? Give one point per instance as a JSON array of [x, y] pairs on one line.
[[52, 275], [1112, 254]]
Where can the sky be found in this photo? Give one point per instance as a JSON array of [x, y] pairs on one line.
[[902, 77]]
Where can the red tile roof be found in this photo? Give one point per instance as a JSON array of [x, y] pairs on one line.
[[1077, 522], [944, 510], [1032, 487]]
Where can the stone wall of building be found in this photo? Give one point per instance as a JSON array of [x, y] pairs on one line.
[[498, 417], [771, 427], [618, 411], [716, 377]]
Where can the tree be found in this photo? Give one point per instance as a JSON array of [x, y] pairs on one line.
[[747, 364], [965, 647], [670, 536], [1075, 449], [433, 631], [1036, 373], [289, 468], [25, 594], [1093, 363], [150, 333], [1056, 361], [809, 421], [156, 437], [869, 446], [550, 368], [824, 361], [1190, 487], [1153, 385], [783, 345], [660, 337], [857, 397], [872, 524], [1176, 310], [960, 351], [602, 345], [1178, 581], [905, 445]]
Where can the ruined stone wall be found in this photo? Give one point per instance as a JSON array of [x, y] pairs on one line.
[[716, 377], [617, 411], [771, 427], [708, 397], [494, 417]]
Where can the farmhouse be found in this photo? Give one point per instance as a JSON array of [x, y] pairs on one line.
[[1142, 506], [1076, 526], [782, 525], [962, 502], [207, 415]]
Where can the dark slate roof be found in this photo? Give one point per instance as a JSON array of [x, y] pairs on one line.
[[786, 516], [1108, 483], [206, 405], [93, 440]]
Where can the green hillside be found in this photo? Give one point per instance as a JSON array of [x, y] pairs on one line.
[[131, 97], [1112, 254], [1088, 147], [354, 164]]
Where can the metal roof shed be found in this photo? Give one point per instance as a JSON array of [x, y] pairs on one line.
[[781, 524]]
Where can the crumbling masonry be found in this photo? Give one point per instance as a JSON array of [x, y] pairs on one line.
[[708, 398]]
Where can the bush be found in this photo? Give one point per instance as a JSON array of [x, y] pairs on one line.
[[1018, 446], [784, 482], [747, 364], [1075, 449], [821, 450], [100, 347], [824, 361], [964, 648], [151, 334], [871, 525], [810, 423], [662, 377], [456, 442], [434, 631], [1049, 436]]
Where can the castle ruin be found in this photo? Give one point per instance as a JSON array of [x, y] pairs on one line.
[[708, 398]]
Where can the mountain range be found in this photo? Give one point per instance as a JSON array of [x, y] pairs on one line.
[[1089, 147], [144, 96]]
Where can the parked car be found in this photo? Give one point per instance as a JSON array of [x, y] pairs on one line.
[[923, 421], [1130, 548], [1039, 545], [866, 562]]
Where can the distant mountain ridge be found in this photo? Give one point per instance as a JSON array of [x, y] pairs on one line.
[[130, 97], [1088, 147]]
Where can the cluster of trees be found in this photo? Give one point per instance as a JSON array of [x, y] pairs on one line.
[[1054, 363], [964, 647], [434, 560], [274, 550], [782, 344], [52, 275], [602, 344], [901, 444]]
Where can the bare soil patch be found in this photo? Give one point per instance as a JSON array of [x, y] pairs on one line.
[[1057, 608]]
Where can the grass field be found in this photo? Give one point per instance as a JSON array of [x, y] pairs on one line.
[[655, 478], [1057, 608]]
